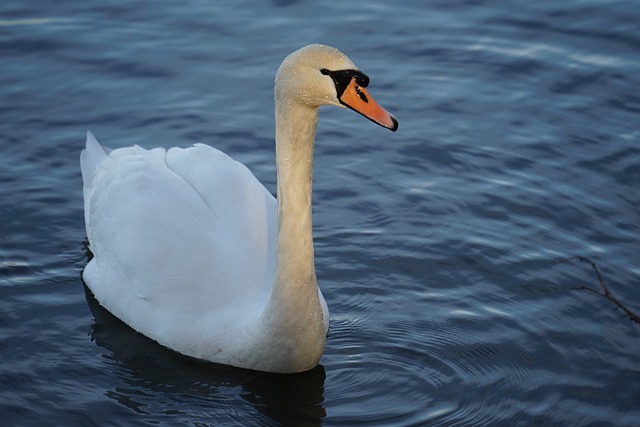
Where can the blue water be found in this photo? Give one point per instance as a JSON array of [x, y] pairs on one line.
[[519, 145]]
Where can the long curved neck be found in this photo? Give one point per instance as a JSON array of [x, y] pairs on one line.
[[295, 136], [293, 322]]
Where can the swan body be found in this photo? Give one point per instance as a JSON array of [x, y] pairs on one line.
[[192, 251]]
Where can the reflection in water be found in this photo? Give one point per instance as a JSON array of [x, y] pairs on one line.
[[151, 370]]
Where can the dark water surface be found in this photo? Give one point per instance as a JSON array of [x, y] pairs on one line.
[[519, 144]]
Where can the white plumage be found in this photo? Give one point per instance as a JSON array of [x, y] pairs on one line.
[[186, 242]]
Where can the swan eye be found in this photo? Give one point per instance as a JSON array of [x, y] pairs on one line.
[[342, 78]]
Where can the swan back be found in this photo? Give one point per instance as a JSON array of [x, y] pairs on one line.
[[172, 233]]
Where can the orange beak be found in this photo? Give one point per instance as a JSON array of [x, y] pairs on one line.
[[358, 99]]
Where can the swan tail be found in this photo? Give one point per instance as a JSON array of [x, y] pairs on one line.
[[91, 157]]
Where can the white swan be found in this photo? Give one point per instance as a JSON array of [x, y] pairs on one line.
[[193, 252]]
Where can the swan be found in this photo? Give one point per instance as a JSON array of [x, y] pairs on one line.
[[191, 250]]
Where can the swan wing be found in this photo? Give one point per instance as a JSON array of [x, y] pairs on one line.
[[176, 235]]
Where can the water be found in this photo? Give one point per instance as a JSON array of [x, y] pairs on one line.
[[435, 246]]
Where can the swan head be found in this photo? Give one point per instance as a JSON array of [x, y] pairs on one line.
[[317, 75]]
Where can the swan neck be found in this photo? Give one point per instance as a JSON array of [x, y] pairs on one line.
[[293, 320], [295, 136]]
